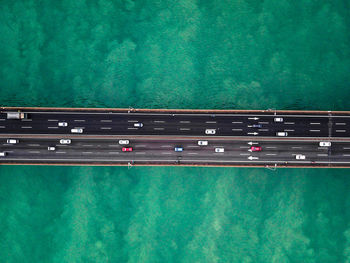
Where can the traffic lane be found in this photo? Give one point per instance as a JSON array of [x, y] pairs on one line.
[[153, 149]]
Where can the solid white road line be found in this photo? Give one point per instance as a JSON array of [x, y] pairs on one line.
[[113, 145], [87, 152], [210, 122], [2, 119], [346, 148], [33, 144], [192, 146], [113, 152], [185, 129], [237, 129], [132, 121], [105, 128], [192, 153], [165, 146], [185, 121], [263, 129], [87, 145], [289, 123], [60, 152], [340, 123], [79, 120], [346, 154], [52, 127], [26, 127], [288, 130], [34, 151], [132, 128], [105, 120], [140, 153], [244, 147], [297, 147], [2, 127], [315, 123], [26, 120], [270, 154], [158, 129], [159, 121], [322, 154], [315, 130], [340, 130], [263, 122], [236, 122]]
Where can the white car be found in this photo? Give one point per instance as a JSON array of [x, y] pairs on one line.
[[65, 141], [325, 144], [12, 141], [278, 119], [210, 131], [77, 130], [300, 157], [283, 134], [51, 148], [138, 124], [62, 124], [123, 141], [203, 143], [219, 150]]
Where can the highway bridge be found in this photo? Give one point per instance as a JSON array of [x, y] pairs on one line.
[[278, 138]]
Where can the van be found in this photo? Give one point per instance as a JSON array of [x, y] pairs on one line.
[[2, 154], [12, 141], [283, 134]]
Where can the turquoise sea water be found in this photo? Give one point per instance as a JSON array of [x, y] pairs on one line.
[[220, 54]]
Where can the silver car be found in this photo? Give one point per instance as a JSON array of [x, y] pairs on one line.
[[123, 142], [138, 124], [325, 144], [77, 130], [219, 150], [62, 124], [203, 143]]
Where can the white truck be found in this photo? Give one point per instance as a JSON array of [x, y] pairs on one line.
[[16, 115]]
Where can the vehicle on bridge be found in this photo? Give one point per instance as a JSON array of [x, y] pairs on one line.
[[203, 143], [65, 141], [127, 149], [210, 131], [178, 149], [12, 141], [325, 144], [282, 134], [16, 115], [300, 157], [77, 130], [122, 142], [256, 148], [219, 150], [63, 124]]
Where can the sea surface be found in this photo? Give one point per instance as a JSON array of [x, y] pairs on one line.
[[212, 54]]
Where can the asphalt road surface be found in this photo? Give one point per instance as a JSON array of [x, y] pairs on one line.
[[161, 151], [259, 125]]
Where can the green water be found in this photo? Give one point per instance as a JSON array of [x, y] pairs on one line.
[[220, 54]]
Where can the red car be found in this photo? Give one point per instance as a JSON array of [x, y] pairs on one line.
[[127, 149], [255, 148]]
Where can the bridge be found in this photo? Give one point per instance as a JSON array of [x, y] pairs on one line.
[[130, 137]]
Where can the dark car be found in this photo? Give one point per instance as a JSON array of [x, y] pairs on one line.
[[256, 126]]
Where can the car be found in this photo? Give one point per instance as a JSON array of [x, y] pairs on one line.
[[2, 154], [51, 148], [65, 141], [178, 149], [219, 150], [203, 143], [256, 148], [300, 157], [283, 134], [123, 142], [77, 130], [138, 124], [325, 144], [62, 124], [210, 131], [278, 119], [256, 126], [12, 141], [127, 149]]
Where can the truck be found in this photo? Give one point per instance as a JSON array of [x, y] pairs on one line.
[[16, 115]]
